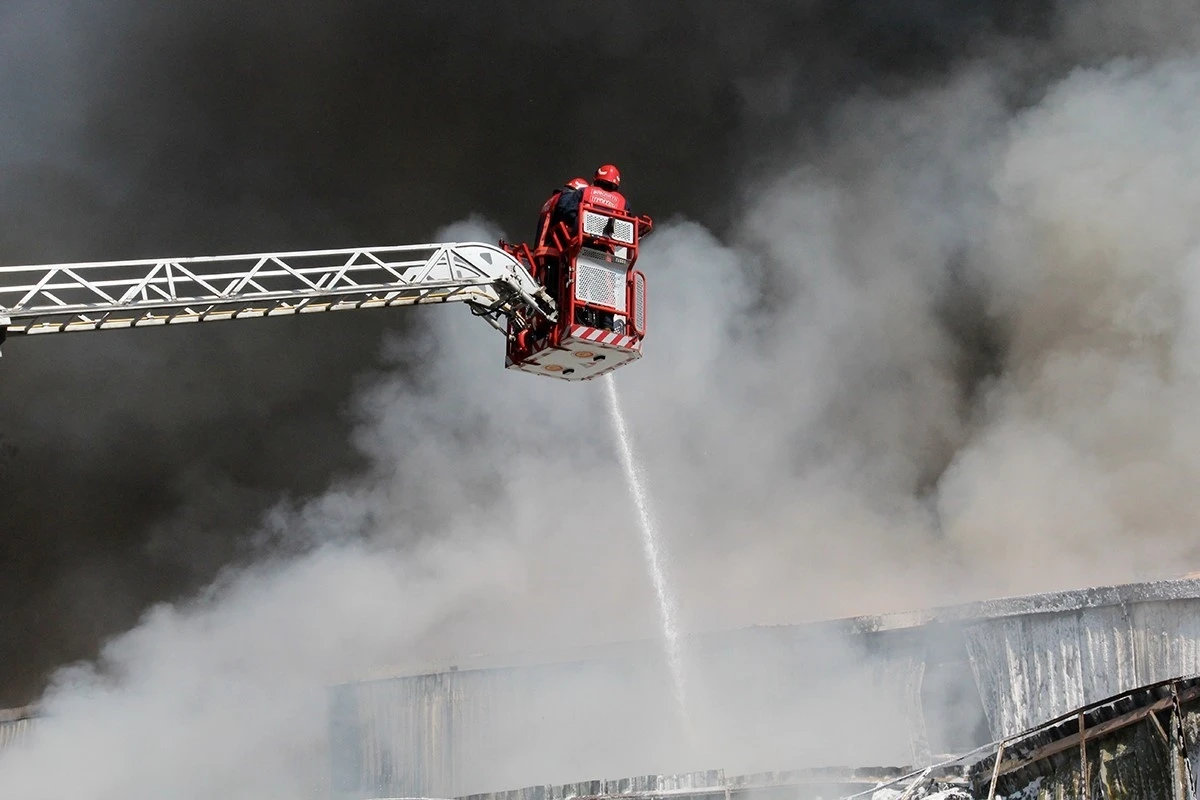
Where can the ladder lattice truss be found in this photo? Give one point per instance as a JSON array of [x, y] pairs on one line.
[[57, 298]]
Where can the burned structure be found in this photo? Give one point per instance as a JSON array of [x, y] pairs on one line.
[[910, 690]]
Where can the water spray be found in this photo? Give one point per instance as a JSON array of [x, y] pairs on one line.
[[650, 547]]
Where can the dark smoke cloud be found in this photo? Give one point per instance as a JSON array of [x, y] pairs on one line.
[[133, 464]]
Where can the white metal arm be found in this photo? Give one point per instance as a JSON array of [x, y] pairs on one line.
[[55, 298]]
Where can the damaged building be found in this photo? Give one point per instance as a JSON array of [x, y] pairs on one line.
[[910, 690]]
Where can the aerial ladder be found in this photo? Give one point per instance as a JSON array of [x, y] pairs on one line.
[[574, 329]]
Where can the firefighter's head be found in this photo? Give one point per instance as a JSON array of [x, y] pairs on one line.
[[608, 177], [577, 183]]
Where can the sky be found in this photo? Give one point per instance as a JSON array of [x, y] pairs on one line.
[[924, 310]]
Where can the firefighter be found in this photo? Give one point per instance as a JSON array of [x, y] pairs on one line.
[[551, 213], [604, 191]]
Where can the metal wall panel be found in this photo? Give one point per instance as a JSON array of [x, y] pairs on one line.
[[1167, 638], [757, 698], [456, 733], [14, 730], [1036, 667]]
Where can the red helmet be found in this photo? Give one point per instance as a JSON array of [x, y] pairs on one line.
[[577, 183], [608, 174]]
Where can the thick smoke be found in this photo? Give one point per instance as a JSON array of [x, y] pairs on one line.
[[946, 349], [1091, 256], [209, 127]]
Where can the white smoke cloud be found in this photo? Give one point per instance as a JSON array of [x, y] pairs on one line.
[[812, 444], [1091, 260]]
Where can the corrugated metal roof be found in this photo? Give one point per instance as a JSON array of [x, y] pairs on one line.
[[468, 731]]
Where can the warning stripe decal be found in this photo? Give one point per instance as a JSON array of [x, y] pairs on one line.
[[603, 337]]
